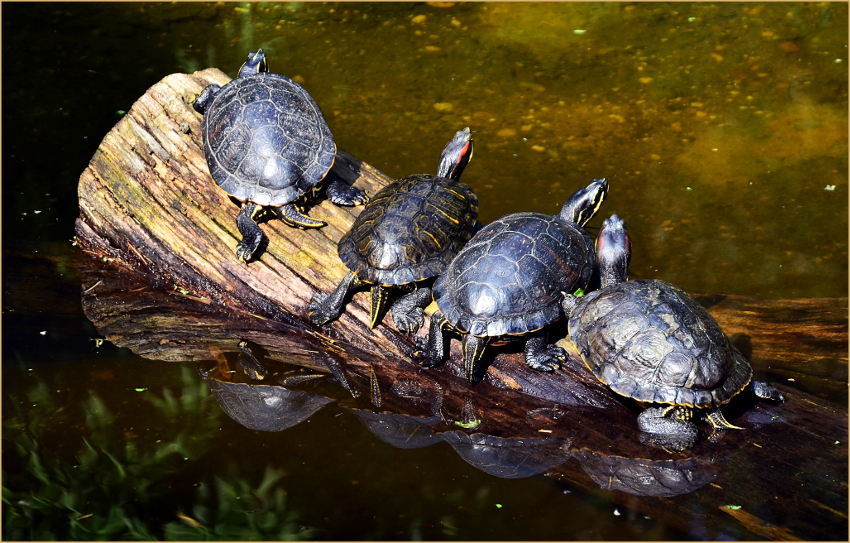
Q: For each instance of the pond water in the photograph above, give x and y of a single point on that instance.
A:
(721, 127)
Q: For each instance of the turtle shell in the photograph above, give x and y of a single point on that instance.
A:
(410, 230)
(650, 341)
(508, 279)
(266, 140)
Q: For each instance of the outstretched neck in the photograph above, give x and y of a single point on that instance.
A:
(584, 203)
(456, 156)
(613, 251)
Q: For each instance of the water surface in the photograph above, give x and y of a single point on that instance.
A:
(722, 128)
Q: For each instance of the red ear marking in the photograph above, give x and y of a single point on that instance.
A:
(463, 153)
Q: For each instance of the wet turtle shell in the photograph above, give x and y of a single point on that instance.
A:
(410, 230)
(648, 340)
(510, 276)
(265, 139)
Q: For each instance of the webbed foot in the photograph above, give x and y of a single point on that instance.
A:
(251, 233)
(408, 311)
(542, 357)
(342, 194)
(326, 306)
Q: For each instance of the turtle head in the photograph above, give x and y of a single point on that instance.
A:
(456, 155)
(584, 203)
(255, 64)
(613, 251)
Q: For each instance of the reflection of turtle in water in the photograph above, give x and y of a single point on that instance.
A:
(267, 145)
(650, 341)
(509, 458)
(398, 430)
(643, 477)
(264, 407)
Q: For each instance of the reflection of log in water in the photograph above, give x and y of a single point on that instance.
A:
(150, 209)
(782, 458)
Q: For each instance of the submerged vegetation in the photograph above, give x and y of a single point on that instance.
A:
(110, 484)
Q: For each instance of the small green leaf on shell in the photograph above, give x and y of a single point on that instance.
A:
(732, 507)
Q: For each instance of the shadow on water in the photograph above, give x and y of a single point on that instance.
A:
(723, 129)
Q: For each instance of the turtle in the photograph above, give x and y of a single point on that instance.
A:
(507, 283)
(268, 145)
(648, 340)
(407, 233)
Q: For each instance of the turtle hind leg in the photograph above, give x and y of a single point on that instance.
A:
(342, 194)
(251, 233)
(541, 356)
(326, 306)
(766, 391)
(290, 215)
(408, 314)
(205, 98)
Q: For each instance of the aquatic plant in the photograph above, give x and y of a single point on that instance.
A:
(130, 483)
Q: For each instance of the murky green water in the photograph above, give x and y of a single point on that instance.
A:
(722, 127)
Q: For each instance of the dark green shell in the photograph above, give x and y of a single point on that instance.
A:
(410, 230)
(266, 140)
(510, 276)
(650, 341)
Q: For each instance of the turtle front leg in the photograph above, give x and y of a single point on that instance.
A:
(327, 306)
(408, 314)
(541, 356)
(290, 215)
(432, 348)
(342, 194)
(251, 234)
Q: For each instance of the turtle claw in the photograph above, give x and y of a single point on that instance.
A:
(542, 357)
(316, 311)
(409, 322)
(245, 250)
(342, 194)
